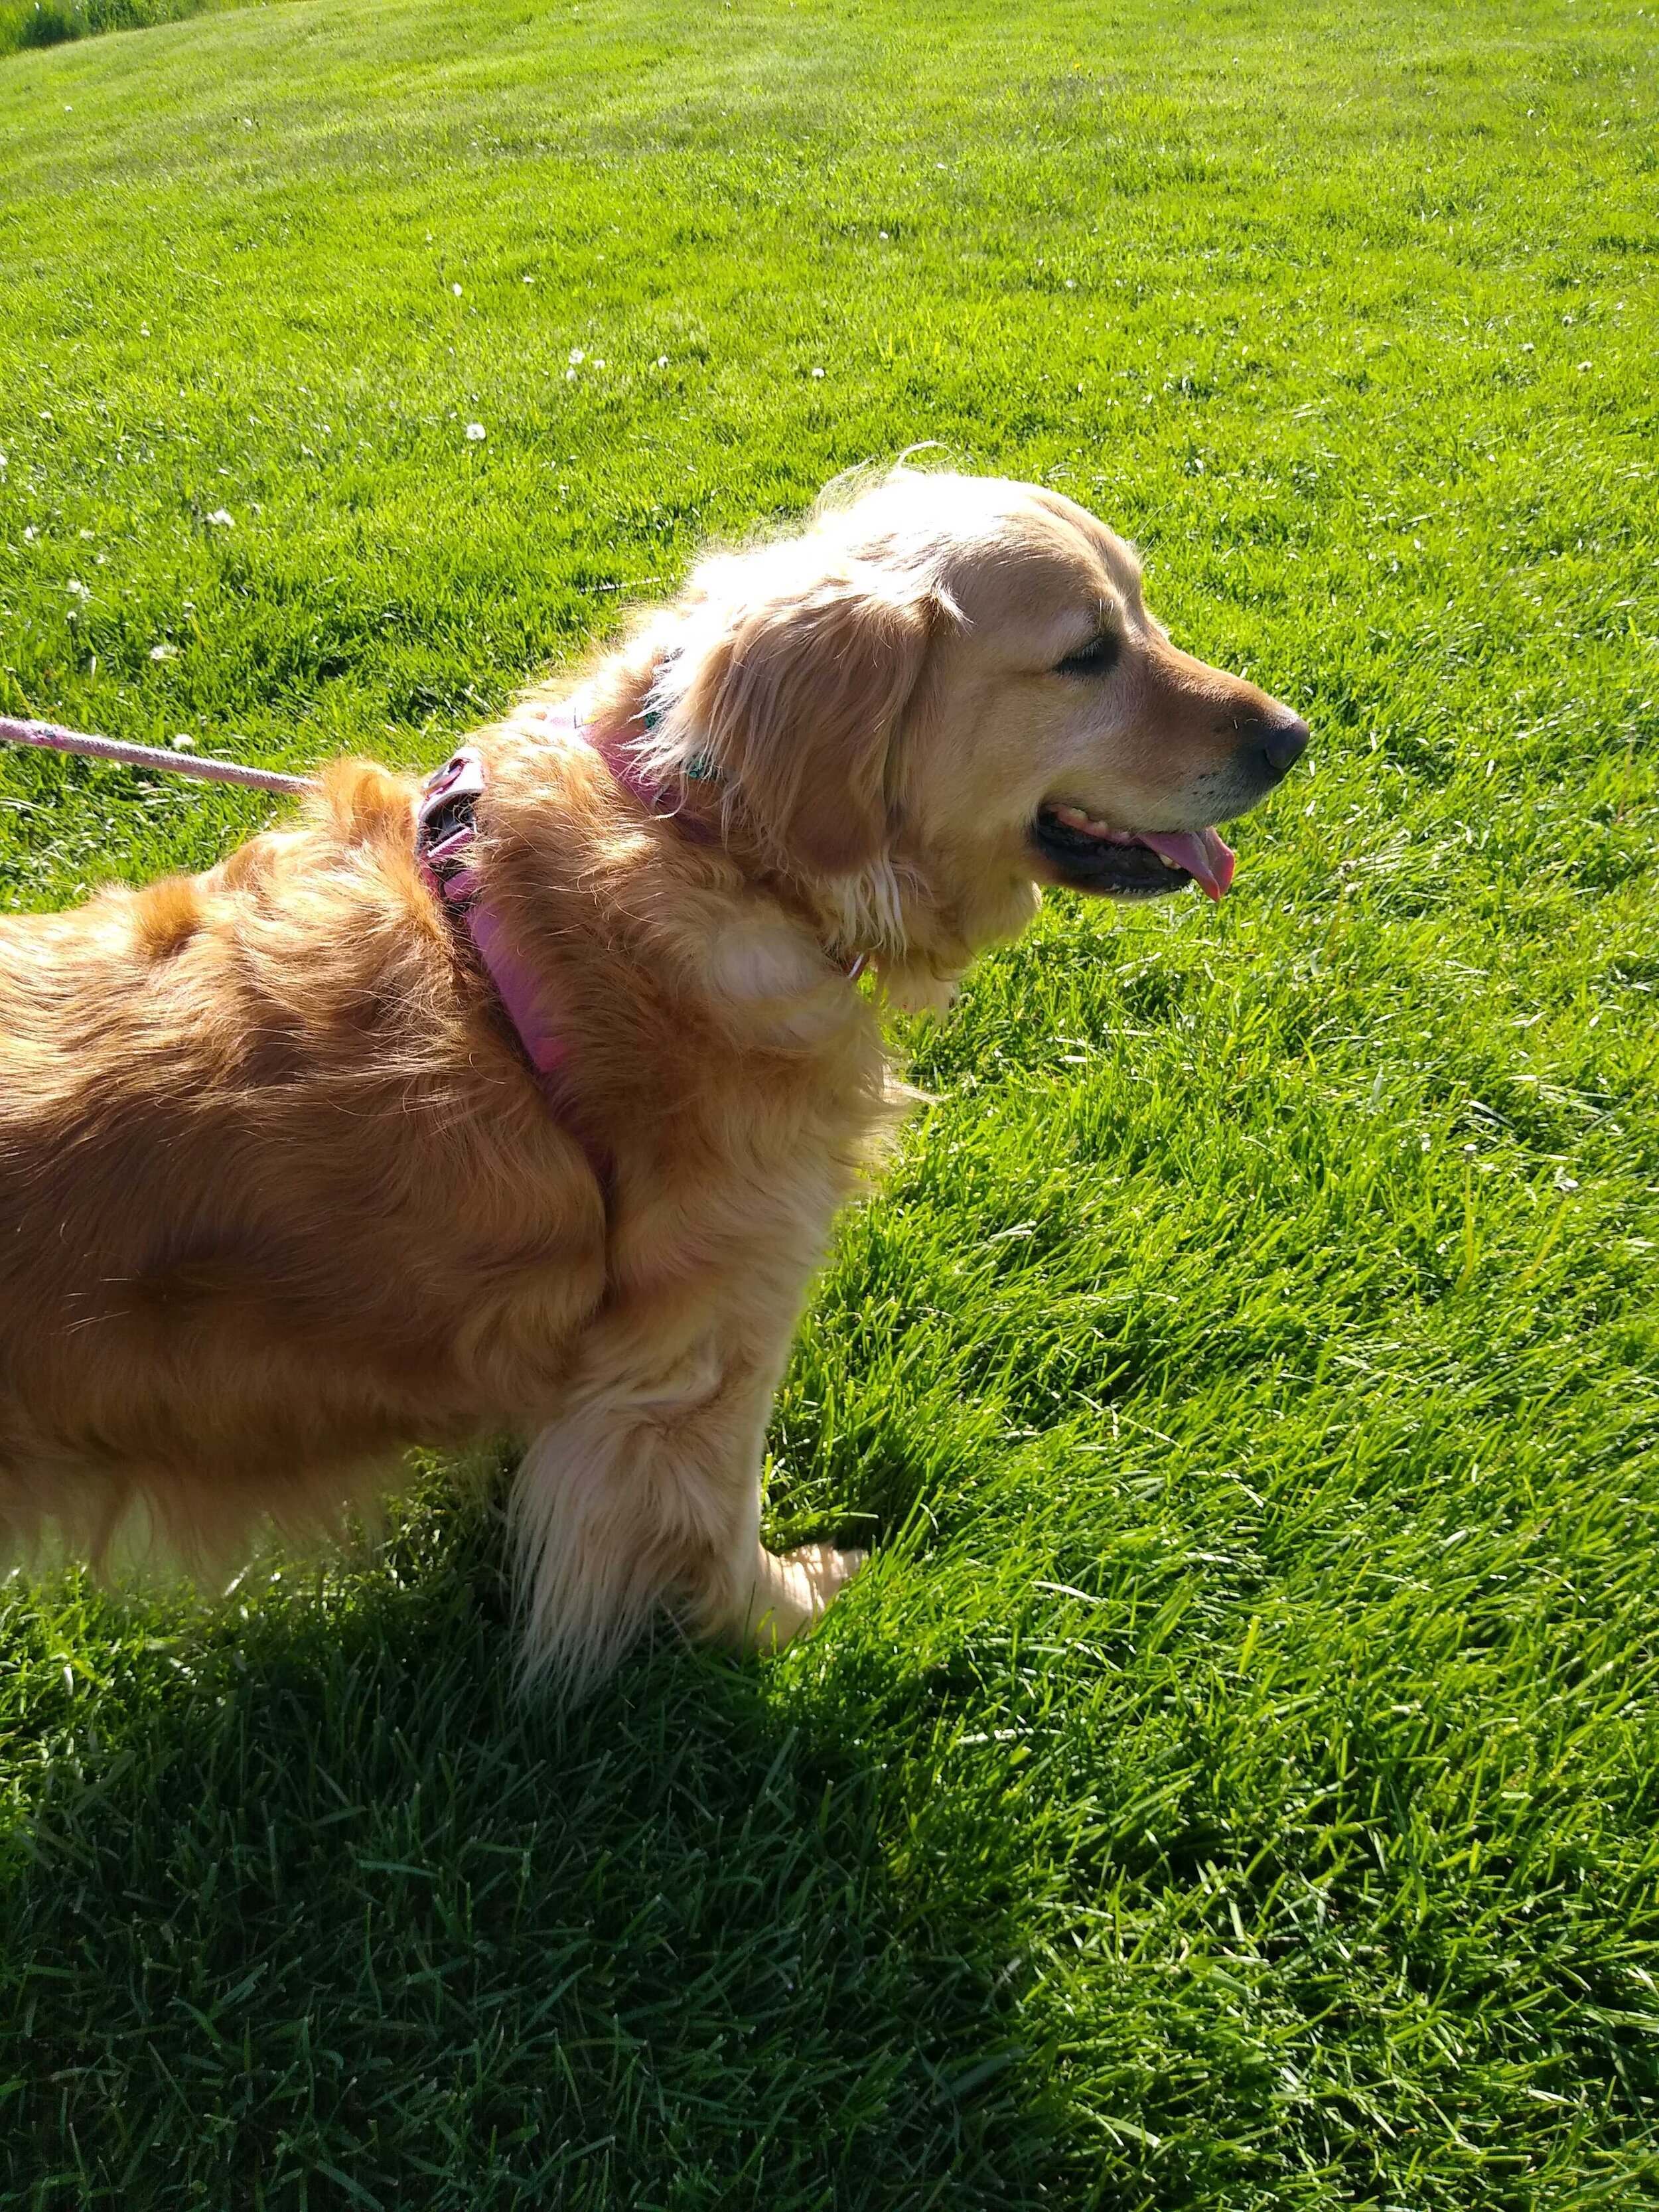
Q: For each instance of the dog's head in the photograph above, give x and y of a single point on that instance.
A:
(952, 690)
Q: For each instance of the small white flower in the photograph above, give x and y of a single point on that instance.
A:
(86, 533)
(1529, 347)
(456, 289)
(143, 330)
(817, 372)
(3, 460)
(577, 357)
(164, 653)
(476, 432)
(223, 517)
(570, 376)
(529, 280)
(77, 589)
(662, 363)
(599, 364)
(881, 234)
(184, 743)
(1583, 365)
(30, 534)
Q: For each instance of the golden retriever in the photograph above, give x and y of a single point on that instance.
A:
(281, 1194)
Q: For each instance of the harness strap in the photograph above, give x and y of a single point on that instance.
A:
(445, 830)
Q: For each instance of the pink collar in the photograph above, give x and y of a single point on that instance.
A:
(445, 832)
(619, 756)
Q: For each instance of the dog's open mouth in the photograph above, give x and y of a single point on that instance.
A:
(1093, 856)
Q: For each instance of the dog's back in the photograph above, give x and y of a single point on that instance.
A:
(221, 1287)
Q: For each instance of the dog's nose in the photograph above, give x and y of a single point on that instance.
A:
(1279, 745)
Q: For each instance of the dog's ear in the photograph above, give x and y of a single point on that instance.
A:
(799, 703)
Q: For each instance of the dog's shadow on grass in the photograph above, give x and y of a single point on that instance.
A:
(308, 1904)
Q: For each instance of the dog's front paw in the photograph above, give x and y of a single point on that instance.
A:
(791, 1593)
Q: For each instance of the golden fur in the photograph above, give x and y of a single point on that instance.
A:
(280, 1196)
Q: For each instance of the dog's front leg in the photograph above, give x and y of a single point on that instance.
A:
(646, 1492)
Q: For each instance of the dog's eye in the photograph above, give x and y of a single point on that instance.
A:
(1096, 659)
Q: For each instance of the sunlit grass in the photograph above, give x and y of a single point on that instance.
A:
(1233, 1785)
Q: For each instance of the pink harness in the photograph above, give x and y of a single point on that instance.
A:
(446, 829)
(445, 832)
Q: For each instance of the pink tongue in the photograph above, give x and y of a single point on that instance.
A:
(1201, 851)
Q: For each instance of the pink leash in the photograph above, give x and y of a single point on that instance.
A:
(57, 740)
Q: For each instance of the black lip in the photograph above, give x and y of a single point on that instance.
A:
(1088, 864)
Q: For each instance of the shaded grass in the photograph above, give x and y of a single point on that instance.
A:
(602, 1961)
(25, 23)
(1232, 1786)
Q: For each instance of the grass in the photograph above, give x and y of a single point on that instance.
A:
(1234, 1784)
(51, 22)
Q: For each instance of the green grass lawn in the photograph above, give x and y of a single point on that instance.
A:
(1236, 1782)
